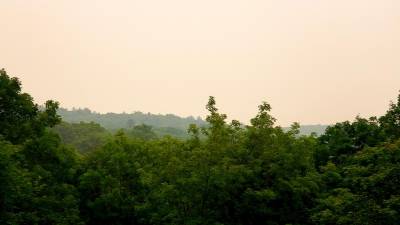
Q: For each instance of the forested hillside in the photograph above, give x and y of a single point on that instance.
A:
(310, 129)
(87, 135)
(224, 173)
(138, 124)
(115, 121)
(161, 124)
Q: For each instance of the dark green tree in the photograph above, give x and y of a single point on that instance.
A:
(390, 122)
(37, 173)
(20, 118)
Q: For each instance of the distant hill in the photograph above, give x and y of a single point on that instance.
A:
(114, 121)
(168, 124)
(308, 129)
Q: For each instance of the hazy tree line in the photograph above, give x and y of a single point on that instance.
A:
(86, 137)
(115, 121)
(225, 173)
(161, 125)
(142, 125)
(88, 133)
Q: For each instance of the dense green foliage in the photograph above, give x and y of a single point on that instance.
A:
(224, 173)
(82, 136)
(86, 137)
(37, 173)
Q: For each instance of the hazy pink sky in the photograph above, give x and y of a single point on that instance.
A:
(315, 61)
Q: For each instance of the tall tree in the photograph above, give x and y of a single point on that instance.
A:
(20, 118)
(391, 120)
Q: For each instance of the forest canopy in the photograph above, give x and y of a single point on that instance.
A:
(223, 173)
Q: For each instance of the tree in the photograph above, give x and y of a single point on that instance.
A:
(36, 172)
(346, 138)
(364, 189)
(83, 136)
(20, 118)
(390, 122)
(143, 132)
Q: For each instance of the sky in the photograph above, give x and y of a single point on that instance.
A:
(314, 61)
